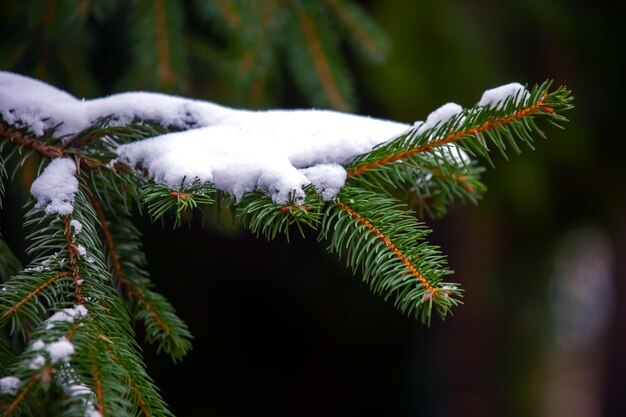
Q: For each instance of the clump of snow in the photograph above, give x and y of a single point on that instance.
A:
(278, 151)
(38, 345)
(67, 315)
(81, 250)
(77, 226)
(259, 150)
(37, 362)
(30, 103)
(9, 385)
(496, 97)
(26, 102)
(55, 188)
(438, 117)
(60, 350)
(327, 179)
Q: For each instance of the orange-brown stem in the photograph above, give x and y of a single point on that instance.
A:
(320, 61)
(34, 293)
(393, 248)
(73, 255)
(118, 274)
(140, 400)
(11, 407)
(181, 195)
(23, 139)
(454, 137)
(287, 208)
(95, 373)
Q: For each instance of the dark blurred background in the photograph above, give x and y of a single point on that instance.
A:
(284, 329)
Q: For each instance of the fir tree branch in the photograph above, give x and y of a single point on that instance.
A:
(469, 129)
(364, 33)
(385, 242)
(16, 135)
(165, 71)
(33, 293)
(73, 258)
(172, 333)
(262, 216)
(319, 59)
(21, 395)
(95, 373)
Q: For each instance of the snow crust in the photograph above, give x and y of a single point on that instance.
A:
(9, 385)
(67, 315)
(61, 350)
(77, 226)
(496, 97)
(278, 151)
(55, 187)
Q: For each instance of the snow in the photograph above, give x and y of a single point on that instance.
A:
(31, 103)
(327, 179)
(67, 315)
(9, 385)
(37, 362)
(438, 117)
(263, 150)
(277, 151)
(496, 97)
(55, 187)
(81, 250)
(77, 226)
(38, 345)
(60, 350)
(68, 380)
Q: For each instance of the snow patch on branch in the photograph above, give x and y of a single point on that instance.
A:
(9, 385)
(239, 151)
(61, 350)
(496, 97)
(56, 187)
(264, 150)
(438, 117)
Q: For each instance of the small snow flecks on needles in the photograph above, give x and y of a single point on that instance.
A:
(56, 186)
(62, 349)
(77, 226)
(73, 388)
(67, 314)
(496, 97)
(9, 385)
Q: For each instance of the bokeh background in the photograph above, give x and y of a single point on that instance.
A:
(284, 329)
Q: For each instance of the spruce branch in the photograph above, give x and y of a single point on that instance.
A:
(87, 285)
(262, 216)
(385, 243)
(160, 199)
(125, 254)
(475, 128)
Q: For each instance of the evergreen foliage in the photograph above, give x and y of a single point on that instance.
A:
(93, 257)
(374, 224)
